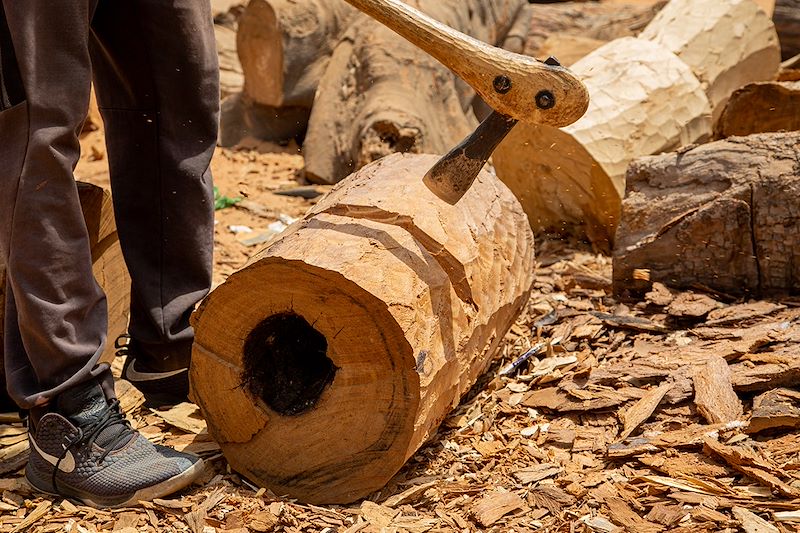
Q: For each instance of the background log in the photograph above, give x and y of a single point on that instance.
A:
(761, 107)
(342, 345)
(107, 264)
(787, 22)
(719, 216)
(726, 43)
(380, 94)
(572, 179)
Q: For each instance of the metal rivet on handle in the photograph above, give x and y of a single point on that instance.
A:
(502, 84)
(545, 100)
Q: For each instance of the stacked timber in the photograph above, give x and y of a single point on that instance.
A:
(344, 343)
(649, 94)
(108, 265)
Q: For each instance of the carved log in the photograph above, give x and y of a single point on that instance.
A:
(381, 94)
(761, 107)
(645, 99)
(727, 43)
(723, 216)
(341, 346)
(572, 179)
(107, 264)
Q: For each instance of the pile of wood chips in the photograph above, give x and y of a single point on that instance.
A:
(669, 414)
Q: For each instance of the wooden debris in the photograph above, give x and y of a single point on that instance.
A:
(622, 513)
(692, 305)
(714, 396)
(752, 523)
(754, 466)
(776, 408)
(494, 506)
(642, 409)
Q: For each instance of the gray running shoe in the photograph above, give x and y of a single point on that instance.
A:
(86, 449)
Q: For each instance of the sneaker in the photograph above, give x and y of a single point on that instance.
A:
(162, 379)
(85, 449)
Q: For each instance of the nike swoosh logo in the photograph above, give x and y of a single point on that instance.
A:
(131, 374)
(67, 464)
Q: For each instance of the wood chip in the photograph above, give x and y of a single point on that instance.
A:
(494, 506)
(752, 523)
(622, 514)
(185, 416)
(641, 410)
(692, 305)
(409, 495)
(537, 473)
(34, 516)
(777, 408)
(714, 396)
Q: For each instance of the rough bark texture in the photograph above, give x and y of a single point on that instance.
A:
(380, 94)
(107, 264)
(726, 43)
(542, 30)
(787, 22)
(761, 107)
(412, 298)
(573, 178)
(723, 215)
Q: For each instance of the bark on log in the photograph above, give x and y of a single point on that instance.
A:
(761, 107)
(787, 22)
(726, 43)
(380, 94)
(572, 179)
(342, 345)
(723, 216)
(107, 264)
(539, 29)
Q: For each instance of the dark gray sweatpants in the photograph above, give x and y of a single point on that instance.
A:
(154, 66)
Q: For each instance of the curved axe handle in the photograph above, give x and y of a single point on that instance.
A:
(515, 85)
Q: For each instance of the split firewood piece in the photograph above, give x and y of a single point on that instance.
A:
(381, 94)
(761, 107)
(787, 22)
(572, 179)
(341, 346)
(726, 43)
(713, 393)
(715, 216)
(775, 409)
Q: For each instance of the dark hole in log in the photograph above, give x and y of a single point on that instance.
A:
(285, 364)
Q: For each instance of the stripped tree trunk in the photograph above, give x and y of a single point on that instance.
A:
(343, 344)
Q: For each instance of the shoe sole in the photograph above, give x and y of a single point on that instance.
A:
(166, 487)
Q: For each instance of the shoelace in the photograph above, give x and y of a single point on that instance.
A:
(110, 416)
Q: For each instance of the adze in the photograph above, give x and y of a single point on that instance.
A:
(516, 87)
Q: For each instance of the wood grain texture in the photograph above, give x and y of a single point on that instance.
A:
(413, 297)
(644, 100)
(761, 107)
(726, 43)
(787, 23)
(479, 64)
(716, 215)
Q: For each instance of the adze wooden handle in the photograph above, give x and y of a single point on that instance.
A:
(514, 85)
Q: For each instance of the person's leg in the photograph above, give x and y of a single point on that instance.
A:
(55, 315)
(156, 77)
(81, 444)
